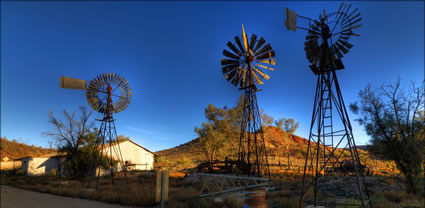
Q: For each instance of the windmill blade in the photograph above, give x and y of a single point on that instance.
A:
(354, 34)
(235, 81)
(267, 47)
(356, 26)
(230, 55)
(333, 54)
(245, 39)
(346, 12)
(338, 52)
(261, 73)
(348, 16)
(268, 61)
(291, 20)
(317, 56)
(228, 68)
(317, 23)
(340, 6)
(230, 75)
(267, 55)
(242, 83)
(344, 36)
(238, 42)
(350, 20)
(256, 77)
(229, 61)
(325, 16)
(337, 13)
(260, 43)
(265, 67)
(346, 44)
(352, 23)
(253, 41)
(314, 29)
(72, 83)
(108, 75)
(233, 48)
(341, 12)
(343, 49)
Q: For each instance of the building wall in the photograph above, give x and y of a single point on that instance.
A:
(39, 166)
(9, 165)
(133, 154)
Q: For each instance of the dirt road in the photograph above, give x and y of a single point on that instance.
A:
(19, 198)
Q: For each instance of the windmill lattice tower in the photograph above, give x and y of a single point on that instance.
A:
(331, 152)
(108, 93)
(242, 69)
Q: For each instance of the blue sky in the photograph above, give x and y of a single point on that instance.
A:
(170, 54)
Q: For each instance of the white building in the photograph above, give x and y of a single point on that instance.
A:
(134, 157)
(42, 165)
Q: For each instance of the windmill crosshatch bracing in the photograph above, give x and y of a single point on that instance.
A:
(330, 128)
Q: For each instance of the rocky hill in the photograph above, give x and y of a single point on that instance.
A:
(14, 150)
(190, 154)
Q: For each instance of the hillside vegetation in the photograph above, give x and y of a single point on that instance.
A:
(14, 149)
(188, 155)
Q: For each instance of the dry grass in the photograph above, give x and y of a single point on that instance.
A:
(141, 189)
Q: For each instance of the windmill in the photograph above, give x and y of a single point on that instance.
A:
(108, 93)
(331, 151)
(241, 67)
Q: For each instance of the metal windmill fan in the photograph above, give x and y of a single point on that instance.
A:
(106, 85)
(107, 93)
(243, 68)
(328, 37)
(246, 60)
(330, 129)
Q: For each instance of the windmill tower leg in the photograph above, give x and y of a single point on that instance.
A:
(252, 157)
(325, 160)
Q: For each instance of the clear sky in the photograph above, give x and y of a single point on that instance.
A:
(170, 54)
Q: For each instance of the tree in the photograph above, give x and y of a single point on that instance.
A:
(266, 119)
(394, 119)
(70, 134)
(76, 138)
(288, 128)
(219, 136)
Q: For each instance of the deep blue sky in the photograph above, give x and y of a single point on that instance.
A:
(170, 54)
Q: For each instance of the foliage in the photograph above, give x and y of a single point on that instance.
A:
(288, 128)
(70, 133)
(185, 162)
(81, 162)
(76, 140)
(219, 136)
(395, 120)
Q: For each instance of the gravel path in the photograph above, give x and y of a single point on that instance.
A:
(18, 198)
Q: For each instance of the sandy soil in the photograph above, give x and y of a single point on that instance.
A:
(18, 198)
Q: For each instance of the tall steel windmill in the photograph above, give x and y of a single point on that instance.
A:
(108, 93)
(242, 67)
(331, 151)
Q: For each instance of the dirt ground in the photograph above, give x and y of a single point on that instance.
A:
(18, 198)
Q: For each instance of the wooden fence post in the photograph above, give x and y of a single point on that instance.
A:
(161, 187)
